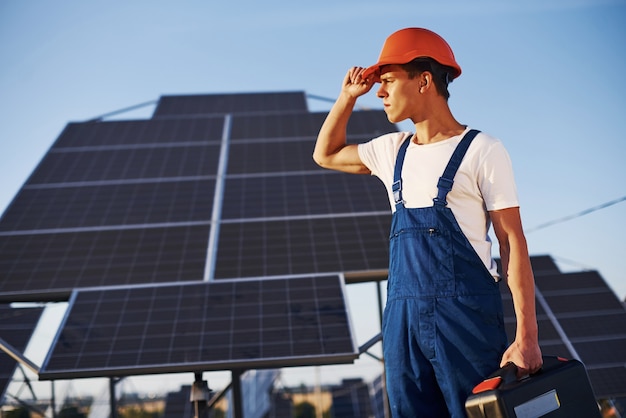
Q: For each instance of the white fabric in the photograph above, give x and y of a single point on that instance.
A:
(484, 181)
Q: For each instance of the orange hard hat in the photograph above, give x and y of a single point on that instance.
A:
(407, 44)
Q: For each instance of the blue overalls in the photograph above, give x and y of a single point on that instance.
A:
(443, 328)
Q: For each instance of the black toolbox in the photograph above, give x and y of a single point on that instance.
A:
(560, 389)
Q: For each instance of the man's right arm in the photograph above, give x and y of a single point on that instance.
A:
(331, 148)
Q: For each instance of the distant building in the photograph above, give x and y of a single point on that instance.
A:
(351, 399)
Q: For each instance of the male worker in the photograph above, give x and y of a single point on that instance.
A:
(443, 326)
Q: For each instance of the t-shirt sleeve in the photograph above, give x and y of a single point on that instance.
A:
(367, 154)
(379, 153)
(497, 181)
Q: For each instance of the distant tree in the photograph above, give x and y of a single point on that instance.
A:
(304, 410)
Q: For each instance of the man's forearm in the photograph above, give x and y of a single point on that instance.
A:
(332, 135)
(521, 282)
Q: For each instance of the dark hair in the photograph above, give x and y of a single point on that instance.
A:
(442, 74)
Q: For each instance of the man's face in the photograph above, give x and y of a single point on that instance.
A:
(400, 94)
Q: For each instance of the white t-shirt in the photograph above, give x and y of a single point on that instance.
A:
(484, 181)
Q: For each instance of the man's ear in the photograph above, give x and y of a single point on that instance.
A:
(425, 81)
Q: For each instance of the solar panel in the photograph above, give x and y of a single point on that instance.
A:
(579, 317)
(16, 328)
(325, 244)
(271, 156)
(202, 327)
(111, 205)
(151, 131)
(285, 125)
(320, 193)
(114, 164)
(126, 202)
(202, 104)
(608, 382)
(48, 266)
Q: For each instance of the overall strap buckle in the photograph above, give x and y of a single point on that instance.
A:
(396, 188)
(444, 186)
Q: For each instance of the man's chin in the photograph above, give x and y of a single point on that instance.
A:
(393, 119)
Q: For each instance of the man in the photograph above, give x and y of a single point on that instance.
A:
(443, 324)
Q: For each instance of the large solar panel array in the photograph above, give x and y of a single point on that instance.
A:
(185, 197)
(112, 203)
(216, 190)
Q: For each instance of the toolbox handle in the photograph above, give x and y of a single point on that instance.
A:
(508, 374)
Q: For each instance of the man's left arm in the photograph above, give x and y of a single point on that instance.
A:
(524, 352)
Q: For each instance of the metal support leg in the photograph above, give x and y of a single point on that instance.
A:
(112, 399)
(200, 396)
(237, 400)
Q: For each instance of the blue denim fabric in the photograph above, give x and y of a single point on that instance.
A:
(443, 328)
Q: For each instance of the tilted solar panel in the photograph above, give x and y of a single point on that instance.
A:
(116, 164)
(48, 266)
(203, 104)
(132, 203)
(364, 123)
(205, 326)
(150, 131)
(320, 193)
(320, 245)
(16, 327)
(578, 317)
(271, 156)
(113, 203)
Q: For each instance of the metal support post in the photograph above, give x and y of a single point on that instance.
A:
(200, 394)
(237, 399)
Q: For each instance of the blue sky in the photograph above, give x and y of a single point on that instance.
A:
(545, 76)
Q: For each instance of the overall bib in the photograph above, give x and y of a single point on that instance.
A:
(443, 328)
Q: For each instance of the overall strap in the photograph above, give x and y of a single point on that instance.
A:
(444, 185)
(396, 187)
